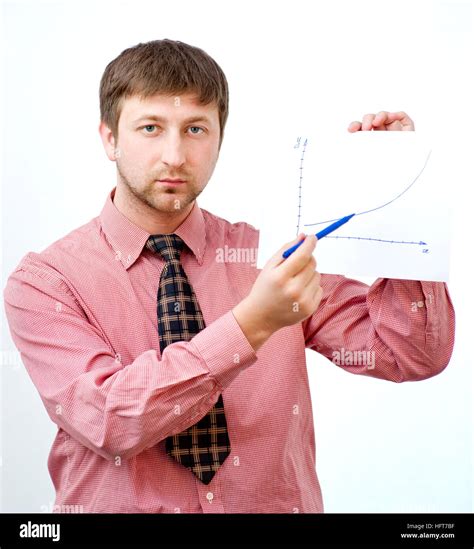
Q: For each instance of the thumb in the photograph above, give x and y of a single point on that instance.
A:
(277, 258)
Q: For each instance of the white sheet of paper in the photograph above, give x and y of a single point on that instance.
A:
(399, 175)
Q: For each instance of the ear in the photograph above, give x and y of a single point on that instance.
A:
(108, 141)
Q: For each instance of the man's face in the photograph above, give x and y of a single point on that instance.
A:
(167, 137)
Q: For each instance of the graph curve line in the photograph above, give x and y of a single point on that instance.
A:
(382, 205)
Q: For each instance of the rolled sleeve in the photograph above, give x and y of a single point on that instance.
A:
(407, 326)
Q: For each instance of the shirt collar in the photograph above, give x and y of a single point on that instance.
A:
(128, 239)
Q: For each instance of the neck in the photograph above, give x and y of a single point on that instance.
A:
(146, 217)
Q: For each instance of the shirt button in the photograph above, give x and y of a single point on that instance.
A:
(210, 496)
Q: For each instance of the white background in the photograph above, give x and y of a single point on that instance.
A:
(381, 447)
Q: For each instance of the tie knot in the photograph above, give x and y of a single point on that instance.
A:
(169, 246)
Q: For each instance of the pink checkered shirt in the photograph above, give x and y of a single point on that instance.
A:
(83, 315)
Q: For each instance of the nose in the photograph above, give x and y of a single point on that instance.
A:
(172, 152)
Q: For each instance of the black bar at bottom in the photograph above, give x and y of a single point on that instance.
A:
(384, 530)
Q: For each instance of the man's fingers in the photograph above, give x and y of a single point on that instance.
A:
(311, 291)
(367, 122)
(383, 121)
(380, 118)
(395, 126)
(318, 294)
(278, 258)
(354, 126)
(306, 275)
(299, 258)
(401, 116)
(398, 115)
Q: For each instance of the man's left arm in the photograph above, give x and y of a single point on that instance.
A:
(400, 330)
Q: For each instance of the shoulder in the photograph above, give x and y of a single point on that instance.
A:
(62, 255)
(224, 231)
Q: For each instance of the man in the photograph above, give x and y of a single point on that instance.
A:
(177, 381)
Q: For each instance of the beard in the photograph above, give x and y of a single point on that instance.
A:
(165, 200)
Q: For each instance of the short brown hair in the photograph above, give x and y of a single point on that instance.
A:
(162, 66)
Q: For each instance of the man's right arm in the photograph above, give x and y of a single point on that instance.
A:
(112, 408)
(120, 410)
(285, 292)
(255, 332)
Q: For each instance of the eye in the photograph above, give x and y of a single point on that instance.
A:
(195, 128)
(148, 126)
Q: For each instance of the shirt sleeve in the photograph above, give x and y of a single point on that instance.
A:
(112, 408)
(398, 330)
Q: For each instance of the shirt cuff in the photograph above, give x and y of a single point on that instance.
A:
(225, 349)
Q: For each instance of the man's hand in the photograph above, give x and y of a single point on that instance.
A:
(285, 292)
(383, 121)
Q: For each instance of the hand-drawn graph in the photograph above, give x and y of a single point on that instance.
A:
(398, 185)
(425, 249)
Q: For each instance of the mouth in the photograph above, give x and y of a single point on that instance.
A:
(171, 181)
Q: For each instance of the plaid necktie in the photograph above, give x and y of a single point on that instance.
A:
(203, 447)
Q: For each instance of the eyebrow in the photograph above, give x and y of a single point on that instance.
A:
(163, 119)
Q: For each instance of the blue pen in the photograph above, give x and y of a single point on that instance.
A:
(320, 235)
